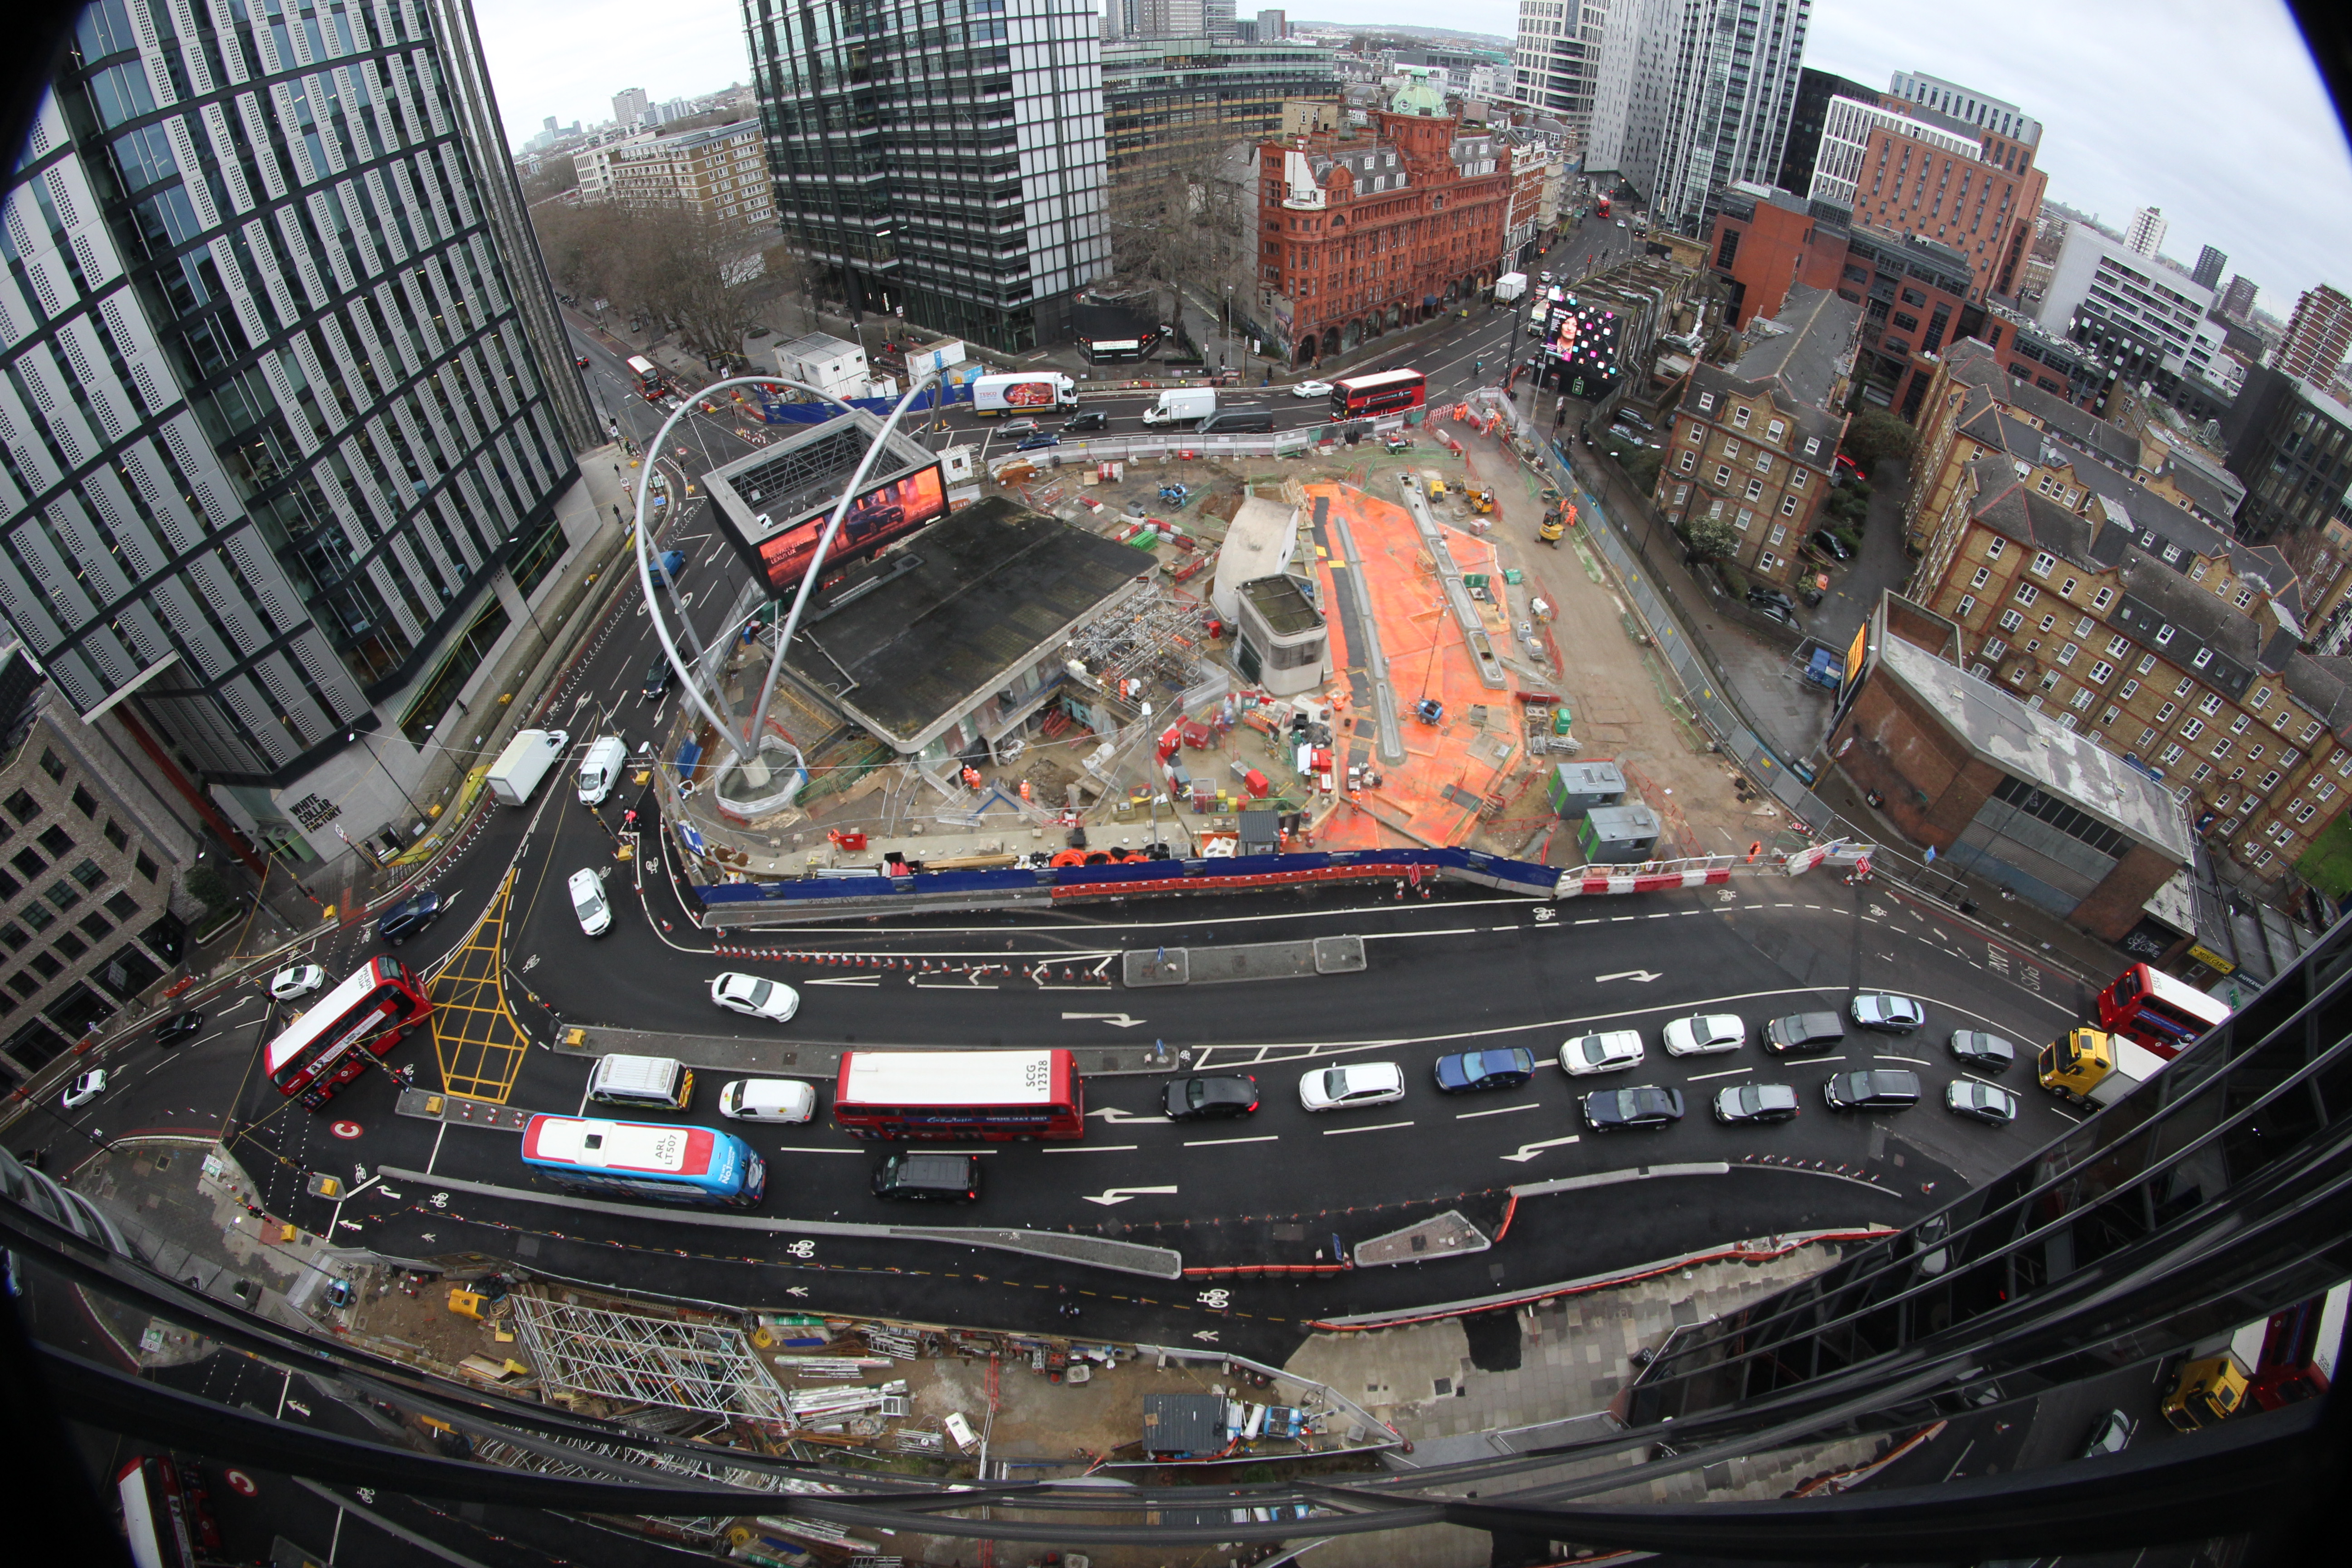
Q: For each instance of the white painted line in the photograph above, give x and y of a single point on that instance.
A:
(1382, 1127)
(1212, 1142)
(1498, 1110)
(810, 1149)
(1727, 1072)
(1089, 1149)
(1916, 1061)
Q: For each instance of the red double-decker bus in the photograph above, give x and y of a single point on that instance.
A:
(1600, 207)
(2156, 1010)
(992, 1095)
(1384, 392)
(330, 1043)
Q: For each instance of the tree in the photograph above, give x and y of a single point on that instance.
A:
(1874, 434)
(1172, 216)
(1709, 538)
(208, 886)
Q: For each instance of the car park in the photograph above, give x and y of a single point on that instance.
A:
(658, 675)
(1871, 1088)
(296, 981)
(1743, 1102)
(1038, 440)
(1211, 1098)
(1804, 1035)
(85, 1088)
(1888, 1013)
(1980, 1101)
(1346, 1088)
(179, 1028)
(755, 997)
(1704, 1035)
(925, 1177)
(1830, 544)
(1466, 1072)
(1760, 597)
(588, 904)
(1311, 389)
(1091, 419)
(1645, 1106)
(784, 1100)
(1986, 1053)
(2112, 1435)
(408, 918)
(1608, 1051)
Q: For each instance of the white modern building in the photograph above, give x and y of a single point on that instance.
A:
(629, 106)
(1965, 104)
(2146, 234)
(1845, 135)
(2147, 316)
(1555, 58)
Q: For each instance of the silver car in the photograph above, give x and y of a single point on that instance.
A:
(1344, 1089)
(1980, 1101)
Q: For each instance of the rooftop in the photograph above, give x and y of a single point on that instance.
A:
(2002, 731)
(913, 640)
(1807, 349)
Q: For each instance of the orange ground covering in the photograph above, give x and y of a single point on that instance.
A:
(1426, 658)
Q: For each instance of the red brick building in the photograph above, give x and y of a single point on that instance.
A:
(1983, 207)
(1361, 233)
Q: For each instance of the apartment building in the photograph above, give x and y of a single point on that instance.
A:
(1555, 61)
(594, 166)
(1755, 446)
(1980, 199)
(2124, 616)
(1535, 173)
(288, 412)
(2318, 336)
(720, 172)
(1816, 91)
(1360, 234)
(2147, 320)
(2291, 442)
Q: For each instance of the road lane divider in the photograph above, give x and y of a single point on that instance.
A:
(1380, 1127)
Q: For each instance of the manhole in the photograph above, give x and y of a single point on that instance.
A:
(163, 1162)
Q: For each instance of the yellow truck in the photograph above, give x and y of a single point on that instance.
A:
(2095, 1068)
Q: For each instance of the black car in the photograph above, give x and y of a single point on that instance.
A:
(179, 1027)
(1830, 544)
(1873, 1089)
(658, 675)
(1092, 420)
(1627, 416)
(407, 918)
(1754, 1102)
(1207, 1098)
(1779, 613)
(1644, 1105)
(1762, 597)
(1986, 1053)
(1804, 1035)
(1464, 1071)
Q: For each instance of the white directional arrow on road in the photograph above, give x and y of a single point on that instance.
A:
(1113, 1113)
(1116, 1020)
(1109, 1196)
(1529, 1151)
(1644, 975)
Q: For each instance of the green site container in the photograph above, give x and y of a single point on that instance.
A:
(1561, 719)
(1473, 579)
(1514, 577)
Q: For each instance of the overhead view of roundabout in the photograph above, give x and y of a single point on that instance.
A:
(1102, 1133)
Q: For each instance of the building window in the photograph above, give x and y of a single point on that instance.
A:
(2066, 654)
(2301, 812)
(122, 905)
(2171, 755)
(2261, 699)
(53, 765)
(55, 840)
(1767, 561)
(1755, 490)
(2049, 680)
(1688, 461)
(2100, 671)
(1739, 417)
(2164, 635)
(2103, 598)
(2146, 738)
(48, 964)
(1780, 533)
(2109, 717)
(2027, 593)
(145, 866)
(2083, 698)
(1722, 474)
(2209, 704)
(23, 806)
(72, 946)
(88, 875)
(2048, 622)
(1966, 607)
(1994, 648)
(84, 802)
(2270, 780)
(2191, 730)
(2242, 724)
(2011, 620)
(1797, 478)
(59, 894)
(97, 926)
(2042, 561)
(1980, 578)
(14, 936)
(2245, 597)
(1706, 402)
(2221, 748)
(2310, 732)
(30, 863)
(2164, 714)
(1993, 549)
(1788, 506)
(1763, 462)
(2204, 657)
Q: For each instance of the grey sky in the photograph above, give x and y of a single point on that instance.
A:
(2211, 112)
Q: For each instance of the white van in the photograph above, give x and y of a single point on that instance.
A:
(643, 1083)
(588, 902)
(768, 1099)
(600, 769)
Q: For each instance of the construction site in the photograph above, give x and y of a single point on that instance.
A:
(1392, 643)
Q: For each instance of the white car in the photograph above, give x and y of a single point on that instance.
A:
(767, 1100)
(86, 1088)
(297, 980)
(770, 999)
(1611, 1050)
(1311, 389)
(588, 902)
(1704, 1035)
(1344, 1089)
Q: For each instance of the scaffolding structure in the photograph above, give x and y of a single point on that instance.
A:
(640, 1359)
(1153, 637)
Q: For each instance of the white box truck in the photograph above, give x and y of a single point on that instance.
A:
(1509, 286)
(524, 762)
(1026, 391)
(1182, 403)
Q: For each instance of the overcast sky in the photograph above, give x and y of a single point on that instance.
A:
(2210, 111)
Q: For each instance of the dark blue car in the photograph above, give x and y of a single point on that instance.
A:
(1041, 439)
(408, 918)
(1465, 1072)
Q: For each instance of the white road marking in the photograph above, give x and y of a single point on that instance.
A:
(1116, 1020)
(811, 1149)
(848, 980)
(1529, 1151)
(1498, 1110)
(1380, 1126)
(1113, 1113)
(1089, 1149)
(1212, 1142)
(1727, 1072)
(1111, 1195)
(1642, 975)
(1916, 1061)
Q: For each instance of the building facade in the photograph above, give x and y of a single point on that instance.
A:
(1815, 90)
(2318, 336)
(2147, 320)
(2115, 611)
(2291, 443)
(2002, 120)
(953, 172)
(1555, 61)
(284, 401)
(593, 166)
(2145, 234)
(1755, 446)
(1845, 144)
(629, 106)
(2211, 265)
(720, 172)
(2238, 300)
(1710, 89)
(1358, 234)
(1165, 96)
(1982, 205)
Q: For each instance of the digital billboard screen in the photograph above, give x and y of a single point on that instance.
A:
(1580, 343)
(886, 512)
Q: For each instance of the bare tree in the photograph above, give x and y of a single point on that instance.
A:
(1171, 218)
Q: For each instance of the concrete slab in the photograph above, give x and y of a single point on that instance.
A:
(1448, 1235)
